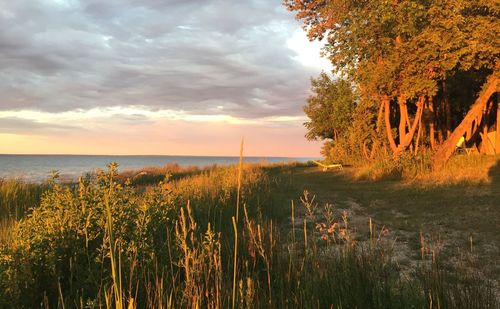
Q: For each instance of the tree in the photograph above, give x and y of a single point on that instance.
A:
(406, 54)
(366, 42)
(330, 108)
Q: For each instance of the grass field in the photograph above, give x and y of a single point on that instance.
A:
(280, 236)
(459, 205)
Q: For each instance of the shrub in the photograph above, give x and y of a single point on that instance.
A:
(66, 246)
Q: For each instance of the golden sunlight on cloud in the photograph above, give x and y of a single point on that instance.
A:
(73, 117)
(141, 131)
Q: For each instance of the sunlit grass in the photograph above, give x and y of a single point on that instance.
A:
(178, 243)
(461, 168)
(17, 197)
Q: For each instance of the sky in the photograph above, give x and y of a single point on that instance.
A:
(164, 77)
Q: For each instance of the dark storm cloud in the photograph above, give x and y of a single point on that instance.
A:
(194, 55)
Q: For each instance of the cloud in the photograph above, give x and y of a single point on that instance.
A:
(201, 57)
(31, 127)
(175, 137)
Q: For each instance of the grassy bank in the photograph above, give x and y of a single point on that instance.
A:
(462, 168)
(189, 241)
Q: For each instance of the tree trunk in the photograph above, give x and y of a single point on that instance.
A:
(407, 138)
(487, 145)
(448, 117)
(403, 119)
(419, 132)
(440, 137)
(447, 111)
(387, 114)
(471, 119)
(380, 116)
(497, 137)
(431, 124)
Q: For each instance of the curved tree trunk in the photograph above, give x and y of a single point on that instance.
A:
(419, 132)
(403, 119)
(380, 116)
(408, 137)
(497, 137)
(469, 123)
(387, 120)
(432, 123)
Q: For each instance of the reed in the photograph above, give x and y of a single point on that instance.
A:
(235, 261)
(17, 197)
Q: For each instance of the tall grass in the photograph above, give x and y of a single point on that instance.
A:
(105, 243)
(154, 174)
(459, 169)
(18, 196)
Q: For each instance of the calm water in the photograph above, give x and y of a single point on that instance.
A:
(37, 167)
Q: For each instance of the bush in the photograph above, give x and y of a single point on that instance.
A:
(65, 246)
(405, 166)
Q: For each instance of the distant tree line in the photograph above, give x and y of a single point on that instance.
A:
(408, 75)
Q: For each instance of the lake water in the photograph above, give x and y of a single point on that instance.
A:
(37, 168)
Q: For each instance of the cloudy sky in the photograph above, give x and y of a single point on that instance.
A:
(154, 77)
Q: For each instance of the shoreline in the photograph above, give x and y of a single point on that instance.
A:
(38, 168)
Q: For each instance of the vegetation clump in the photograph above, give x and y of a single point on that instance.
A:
(106, 243)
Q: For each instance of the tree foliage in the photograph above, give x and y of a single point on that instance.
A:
(414, 57)
(330, 108)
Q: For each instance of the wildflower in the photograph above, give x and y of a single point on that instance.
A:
(332, 228)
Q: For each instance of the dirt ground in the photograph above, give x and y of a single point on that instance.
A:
(459, 221)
